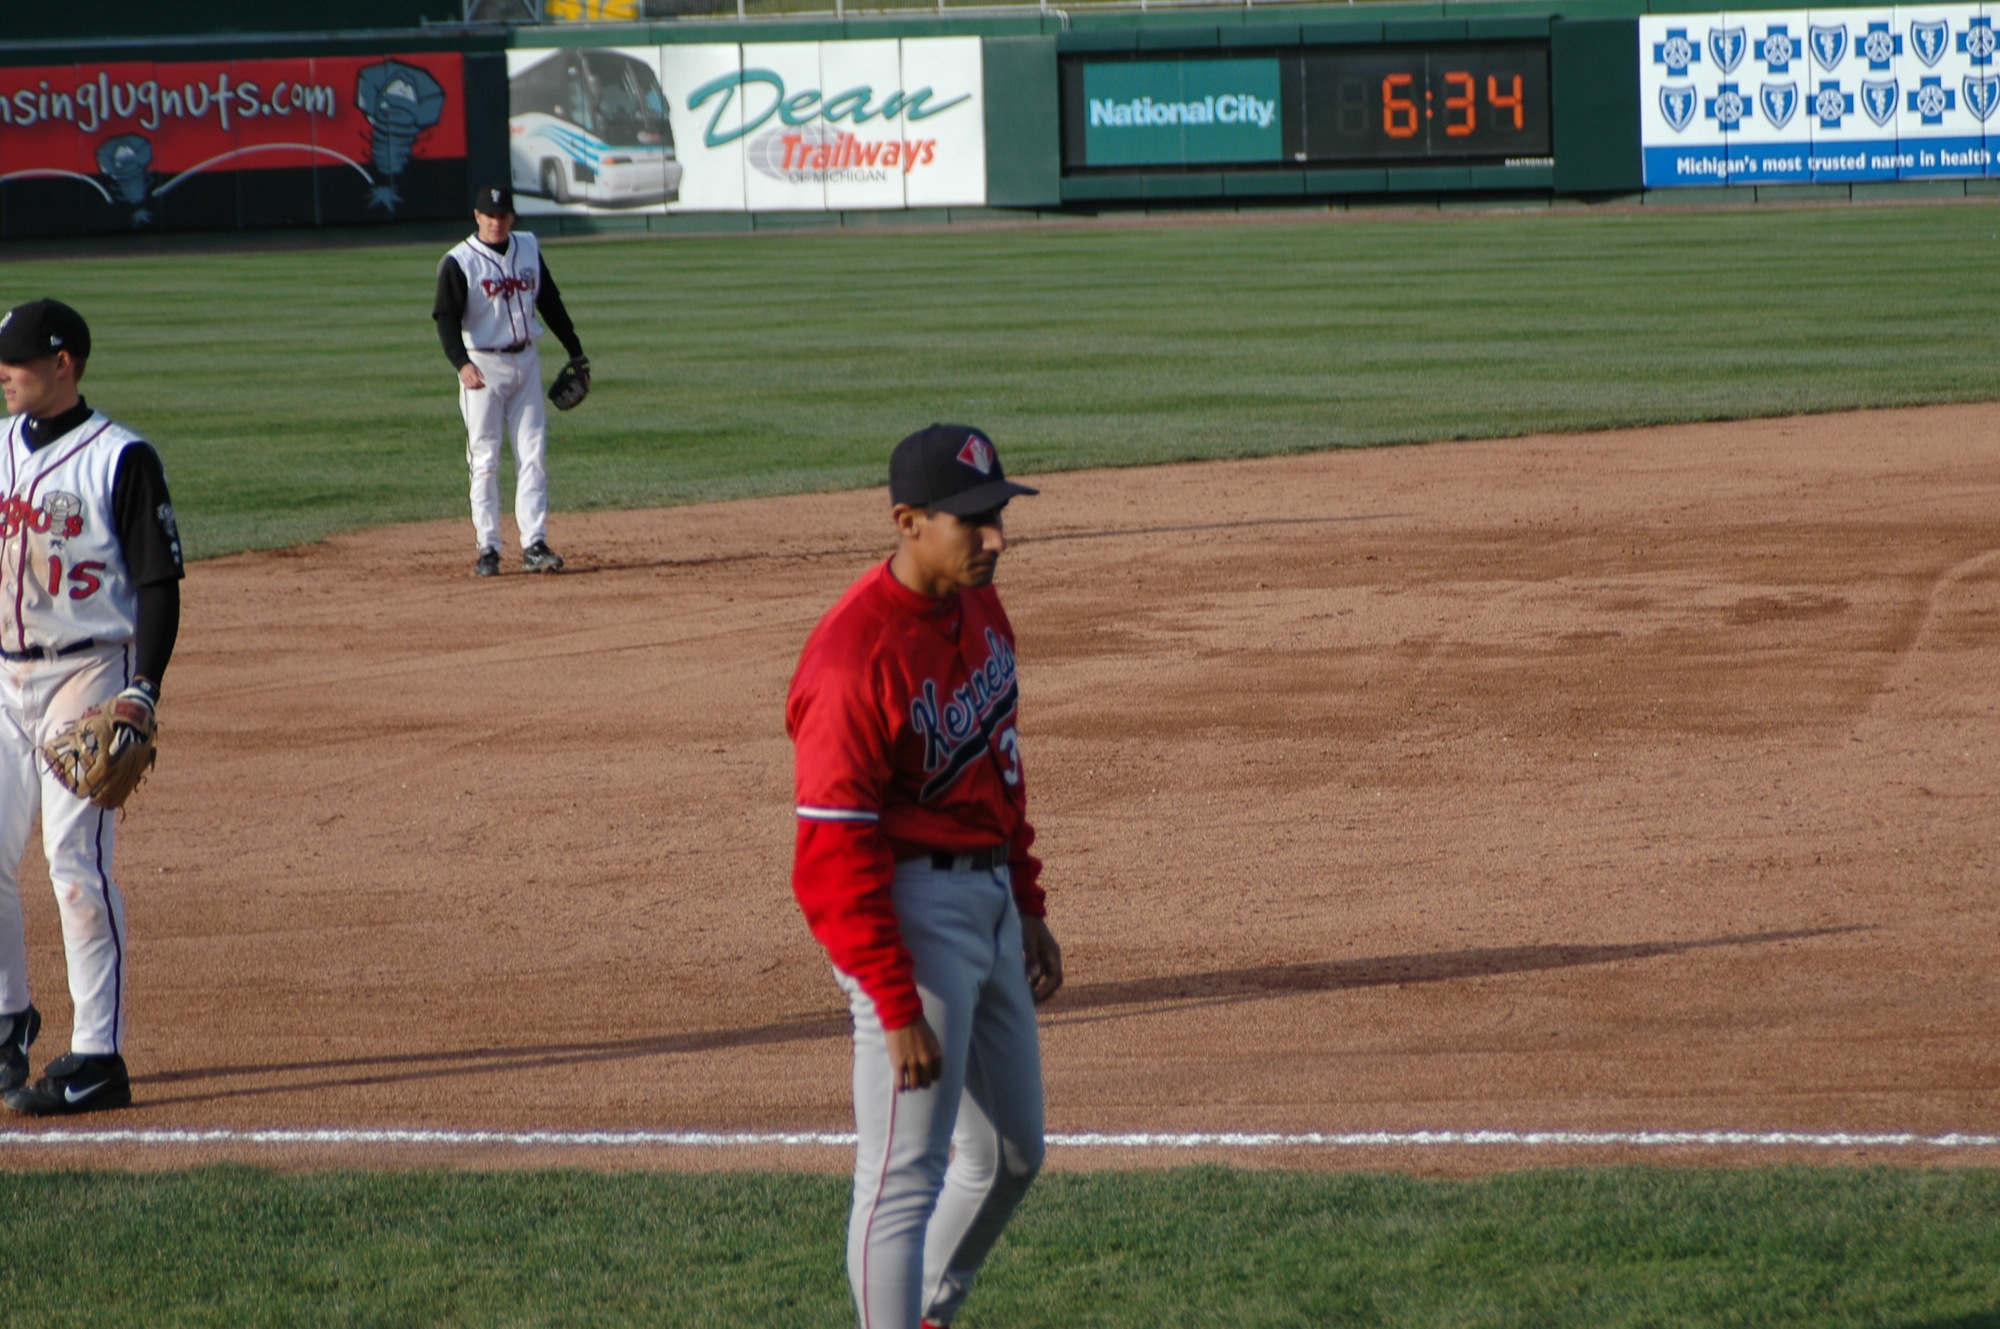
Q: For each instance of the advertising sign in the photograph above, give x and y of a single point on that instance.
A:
(1852, 109)
(763, 127)
(118, 146)
(713, 177)
(1484, 103)
(591, 126)
(1181, 112)
(1902, 93)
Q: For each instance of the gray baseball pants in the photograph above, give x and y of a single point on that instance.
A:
(938, 1171)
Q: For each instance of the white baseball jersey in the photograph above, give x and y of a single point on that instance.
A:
(62, 568)
(500, 291)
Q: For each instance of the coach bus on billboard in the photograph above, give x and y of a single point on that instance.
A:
(591, 126)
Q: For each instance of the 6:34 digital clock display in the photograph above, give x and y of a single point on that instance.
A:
(1463, 102)
(1399, 103)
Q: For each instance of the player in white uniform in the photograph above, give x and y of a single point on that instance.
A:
(90, 570)
(489, 289)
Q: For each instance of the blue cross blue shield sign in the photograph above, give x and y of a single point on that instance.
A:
(1932, 40)
(1779, 101)
(1726, 47)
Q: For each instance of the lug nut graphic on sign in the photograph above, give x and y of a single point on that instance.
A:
(400, 102)
(126, 161)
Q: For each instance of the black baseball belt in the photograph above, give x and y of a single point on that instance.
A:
(979, 860)
(48, 652)
(515, 349)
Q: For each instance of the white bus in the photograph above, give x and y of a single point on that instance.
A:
(590, 126)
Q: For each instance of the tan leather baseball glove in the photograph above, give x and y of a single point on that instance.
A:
(106, 751)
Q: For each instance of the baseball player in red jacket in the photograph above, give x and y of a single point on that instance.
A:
(913, 867)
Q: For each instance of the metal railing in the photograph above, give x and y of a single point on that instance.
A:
(504, 11)
(568, 13)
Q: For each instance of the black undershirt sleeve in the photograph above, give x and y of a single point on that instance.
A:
(151, 542)
(549, 304)
(449, 311)
(159, 628)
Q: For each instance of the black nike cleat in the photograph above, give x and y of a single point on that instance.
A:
(538, 557)
(75, 1082)
(19, 1030)
(488, 564)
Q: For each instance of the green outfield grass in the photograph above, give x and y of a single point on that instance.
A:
(1202, 1247)
(299, 393)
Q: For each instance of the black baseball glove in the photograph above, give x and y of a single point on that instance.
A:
(572, 383)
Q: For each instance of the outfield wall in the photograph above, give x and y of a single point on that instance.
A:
(220, 134)
(747, 124)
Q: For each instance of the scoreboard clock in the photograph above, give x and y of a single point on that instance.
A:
(1475, 103)
(1460, 103)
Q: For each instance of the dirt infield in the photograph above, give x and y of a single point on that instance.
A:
(1628, 781)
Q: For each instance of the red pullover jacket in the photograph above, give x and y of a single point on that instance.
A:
(902, 718)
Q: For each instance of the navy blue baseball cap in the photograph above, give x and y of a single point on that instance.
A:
(494, 201)
(950, 468)
(42, 327)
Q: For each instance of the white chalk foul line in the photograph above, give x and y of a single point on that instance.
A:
(1534, 1139)
(1072, 1140)
(452, 1139)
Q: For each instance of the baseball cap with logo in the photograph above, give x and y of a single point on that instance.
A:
(494, 201)
(951, 468)
(42, 327)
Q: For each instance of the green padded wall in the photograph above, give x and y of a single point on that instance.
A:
(1594, 66)
(1023, 123)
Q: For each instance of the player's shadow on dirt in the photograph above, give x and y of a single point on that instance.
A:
(584, 567)
(1265, 982)
(1078, 1003)
(399, 1067)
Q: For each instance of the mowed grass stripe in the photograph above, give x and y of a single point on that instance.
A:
(295, 394)
(1196, 1247)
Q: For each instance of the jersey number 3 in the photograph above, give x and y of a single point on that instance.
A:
(1009, 744)
(83, 579)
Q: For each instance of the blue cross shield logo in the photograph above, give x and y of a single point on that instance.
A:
(1829, 44)
(1726, 47)
(1831, 105)
(1982, 94)
(1930, 99)
(1978, 41)
(1777, 49)
(1677, 105)
(1727, 107)
(1676, 52)
(1932, 40)
(1779, 101)
(1881, 47)
(1879, 100)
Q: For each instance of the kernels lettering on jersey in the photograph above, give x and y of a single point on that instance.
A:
(945, 728)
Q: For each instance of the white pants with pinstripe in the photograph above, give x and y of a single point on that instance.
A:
(938, 1171)
(510, 403)
(36, 700)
